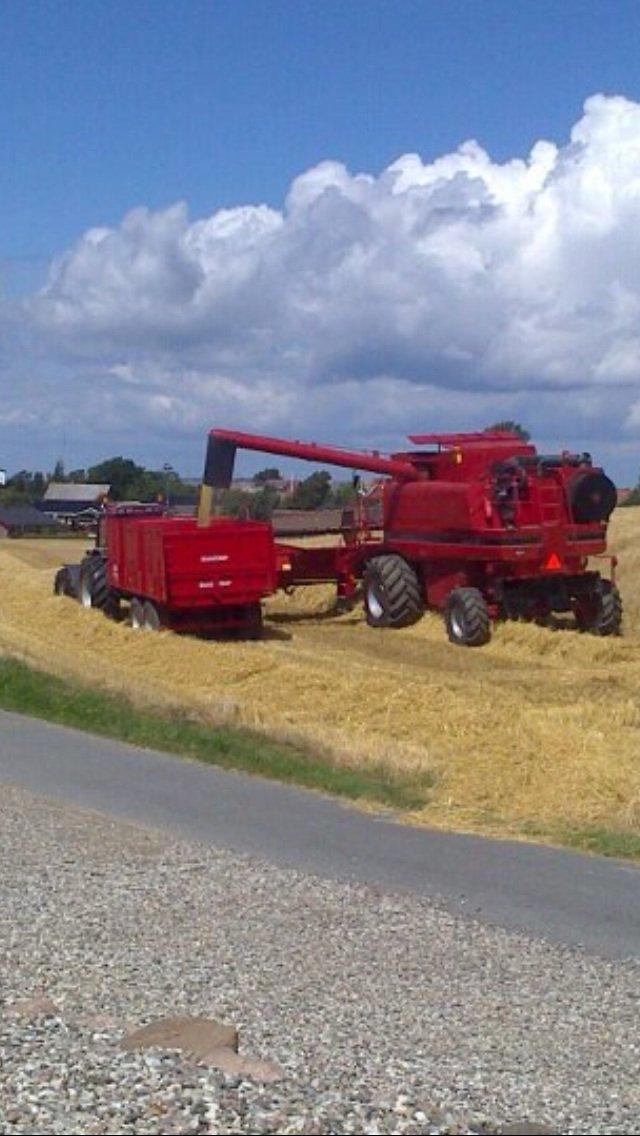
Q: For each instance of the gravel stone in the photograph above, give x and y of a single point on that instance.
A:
(386, 1014)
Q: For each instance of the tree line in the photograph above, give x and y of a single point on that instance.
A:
(132, 482)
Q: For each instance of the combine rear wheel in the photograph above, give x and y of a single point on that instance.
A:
(392, 594)
(467, 618)
(600, 613)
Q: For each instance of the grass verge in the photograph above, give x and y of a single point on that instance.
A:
(619, 843)
(26, 690)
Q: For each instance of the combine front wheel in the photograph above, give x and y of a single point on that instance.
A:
(392, 596)
(467, 618)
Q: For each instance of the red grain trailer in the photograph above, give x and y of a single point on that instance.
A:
(177, 574)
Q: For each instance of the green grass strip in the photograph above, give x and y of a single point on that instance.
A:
(26, 690)
(601, 840)
(621, 844)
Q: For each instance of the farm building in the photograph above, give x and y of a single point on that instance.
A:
(19, 520)
(73, 505)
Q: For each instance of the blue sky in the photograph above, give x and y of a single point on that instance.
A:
(111, 106)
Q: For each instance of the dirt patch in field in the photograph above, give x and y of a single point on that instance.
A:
(540, 727)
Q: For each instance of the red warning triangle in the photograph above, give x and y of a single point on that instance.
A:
(553, 562)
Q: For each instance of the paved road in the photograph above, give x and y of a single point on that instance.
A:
(561, 896)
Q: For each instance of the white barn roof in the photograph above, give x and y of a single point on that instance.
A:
(67, 491)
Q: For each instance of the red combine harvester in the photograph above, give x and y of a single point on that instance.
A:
(175, 573)
(478, 526)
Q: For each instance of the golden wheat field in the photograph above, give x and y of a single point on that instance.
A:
(540, 728)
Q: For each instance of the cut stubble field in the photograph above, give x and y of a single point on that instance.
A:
(536, 734)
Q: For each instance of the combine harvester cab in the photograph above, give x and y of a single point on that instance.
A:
(477, 526)
(175, 573)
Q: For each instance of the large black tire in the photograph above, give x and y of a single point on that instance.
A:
(253, 626)
(467, 618)
(392, 593)
(136, 614)
(62, 583)
(601, 613)
(94, 590)
(151, 617)
(85, 591)
(100, 587)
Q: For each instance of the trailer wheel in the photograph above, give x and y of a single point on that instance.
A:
(467, 618)
(136, 614)
(151, 619)
(392, 594)
(601, 613)
(253, 625)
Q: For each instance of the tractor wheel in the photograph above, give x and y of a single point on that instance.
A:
(467, 618)
(601, 613)
(85, 591)
(136, 614)
(94, 591)
(100, 587)
(151, 619)
(61, 583)
(392, 594)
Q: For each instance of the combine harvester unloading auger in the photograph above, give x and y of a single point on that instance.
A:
(478, 526)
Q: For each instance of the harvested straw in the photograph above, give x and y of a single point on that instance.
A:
(539, 727)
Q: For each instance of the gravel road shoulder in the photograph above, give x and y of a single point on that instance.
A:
(387, 1014)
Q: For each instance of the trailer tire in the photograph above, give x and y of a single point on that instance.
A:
(467, 618)
(151, 618)
(392, 593)
(602, 613)
(136, 614)
(253, 625)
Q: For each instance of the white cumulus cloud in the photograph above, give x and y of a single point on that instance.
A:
(443, 293)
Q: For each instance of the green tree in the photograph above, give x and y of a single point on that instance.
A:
(264, 475)
(345, 493)
(23, 488)
(38, 486)
(264, 502)
(123, 475)
(13, 494)
(234, 502)
(313, 492)
(513, 427)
